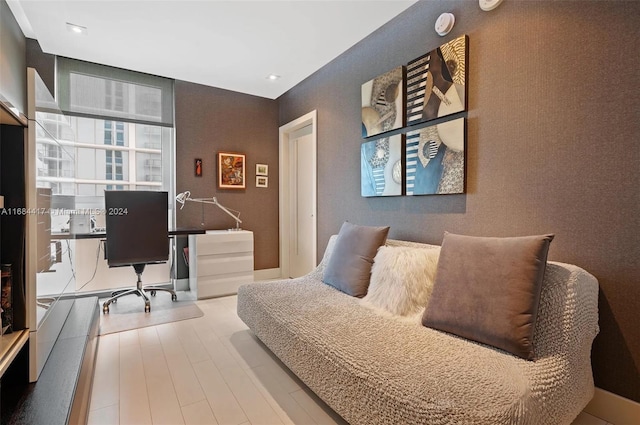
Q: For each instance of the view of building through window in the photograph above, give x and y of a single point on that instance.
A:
(90, 155)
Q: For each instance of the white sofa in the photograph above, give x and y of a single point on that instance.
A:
(373, 368)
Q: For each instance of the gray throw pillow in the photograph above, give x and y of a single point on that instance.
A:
(488, 290)
(349, 267)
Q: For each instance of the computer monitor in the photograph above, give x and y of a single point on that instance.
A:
(137, 227)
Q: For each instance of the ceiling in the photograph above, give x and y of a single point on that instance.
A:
(233, 45)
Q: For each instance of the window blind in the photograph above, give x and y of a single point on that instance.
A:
(98, 91)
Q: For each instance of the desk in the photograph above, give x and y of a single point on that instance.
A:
(83, 254)
(103, 235)
(219, 262)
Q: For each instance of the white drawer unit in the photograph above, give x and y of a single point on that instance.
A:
(219, 262)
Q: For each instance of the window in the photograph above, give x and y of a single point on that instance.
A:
(123, 136)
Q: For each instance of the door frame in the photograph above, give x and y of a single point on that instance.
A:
(285, 190)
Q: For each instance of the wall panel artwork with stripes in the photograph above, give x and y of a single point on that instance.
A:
(436, 82)
(381, 166)
(383, 103)
(435, 159)
(429, 160)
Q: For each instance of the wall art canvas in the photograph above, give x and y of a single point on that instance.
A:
(381, 167)
(383, 103)
(435, 159)
(231, 170)
(436, 82)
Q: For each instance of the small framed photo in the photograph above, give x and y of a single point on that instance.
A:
(262, 181)
(231, 170)
(198, 167)
(262, 170)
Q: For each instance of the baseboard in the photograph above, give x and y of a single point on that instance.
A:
(266, 274)
(613, 408)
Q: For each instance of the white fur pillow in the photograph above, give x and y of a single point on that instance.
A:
(402, 279)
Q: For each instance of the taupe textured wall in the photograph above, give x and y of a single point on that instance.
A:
(209, 120)
(552, 145)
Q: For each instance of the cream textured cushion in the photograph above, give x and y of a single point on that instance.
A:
(402, 279)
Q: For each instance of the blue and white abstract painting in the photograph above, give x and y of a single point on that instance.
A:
(435, 159)
(381, 167)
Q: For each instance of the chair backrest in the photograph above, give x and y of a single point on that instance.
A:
(137, 227)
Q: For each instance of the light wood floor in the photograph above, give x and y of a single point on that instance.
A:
(210, 370)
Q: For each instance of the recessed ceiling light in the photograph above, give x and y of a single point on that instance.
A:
(273, 77)
(76, 29)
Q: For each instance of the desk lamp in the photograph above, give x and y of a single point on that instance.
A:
(186, 196)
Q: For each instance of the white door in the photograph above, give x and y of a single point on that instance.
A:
(302, 224)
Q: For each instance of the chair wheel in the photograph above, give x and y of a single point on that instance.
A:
(174, 297)
(105, 309)
(153, 293)
(147, 308)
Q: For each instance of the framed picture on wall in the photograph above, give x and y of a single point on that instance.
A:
(231, 170)
(435, 159)
(436, 82)
(383, 103)
(262, 181)
(262, 170)
(381, 166)
(198, 167)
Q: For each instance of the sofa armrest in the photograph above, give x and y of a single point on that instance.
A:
(568, 312)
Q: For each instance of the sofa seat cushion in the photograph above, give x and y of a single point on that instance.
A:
(401, 371)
